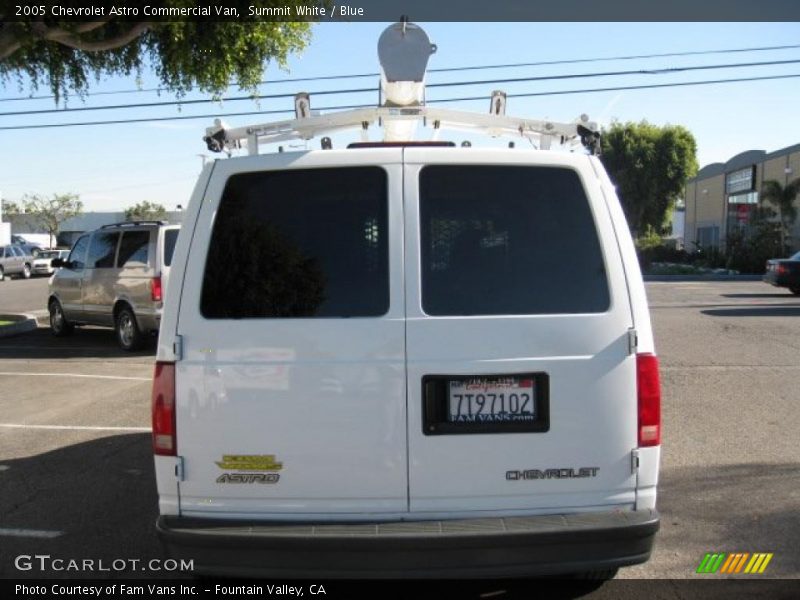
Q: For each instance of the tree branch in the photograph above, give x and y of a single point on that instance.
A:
(92, 25)
(8, 41)
(73, 40)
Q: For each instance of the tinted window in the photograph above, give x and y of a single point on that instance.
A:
(78, 253)
(133, 248)
(508, 240)
(102, 248)
(18, 251)
(304, 243)
(170, 237)
(3, 252)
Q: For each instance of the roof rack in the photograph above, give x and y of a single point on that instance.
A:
(403, 50)
(220, 138)
(133, 224)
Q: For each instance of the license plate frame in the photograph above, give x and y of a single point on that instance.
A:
(436, 399)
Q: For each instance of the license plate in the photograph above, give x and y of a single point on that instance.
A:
(491, 400)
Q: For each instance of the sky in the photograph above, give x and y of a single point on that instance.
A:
(115, 166)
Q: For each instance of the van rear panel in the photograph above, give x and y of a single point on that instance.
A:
(418, 332)
(513, 275)
(291, 390)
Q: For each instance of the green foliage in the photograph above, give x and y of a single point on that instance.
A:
(782, 198)
(748, 249)
(654, 250)
(188, 54)
(650, 166)
(146, 211)
(50, 212)
(10, 209)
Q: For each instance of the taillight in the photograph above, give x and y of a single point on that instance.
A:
(782, 270)
(155, 289)
(648, 388)
(163, 406)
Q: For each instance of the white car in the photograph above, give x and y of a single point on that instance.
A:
(42, 264)
(397, 360)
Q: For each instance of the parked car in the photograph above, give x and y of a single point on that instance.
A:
(114, 277)
(784, 272)
(43, 262)
(27, 247)
(14, 261)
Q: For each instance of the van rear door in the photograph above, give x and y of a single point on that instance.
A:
(521, 377)
(291, 391)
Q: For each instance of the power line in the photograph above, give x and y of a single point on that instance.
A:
(452, 69)
(661, 71)
(466, 99)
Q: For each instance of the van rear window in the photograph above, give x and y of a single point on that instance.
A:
(170, 238)
(133, 248)
(299, 243)
(503, 240)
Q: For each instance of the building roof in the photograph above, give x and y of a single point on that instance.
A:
(741, 160)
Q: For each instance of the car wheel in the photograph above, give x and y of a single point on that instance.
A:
(59, 326)
(26, 271)
(2, 274)
(795, 290)
(129, 336)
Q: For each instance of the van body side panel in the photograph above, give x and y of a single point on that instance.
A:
(583, 458)
(291, 414)
(636, 289)
(167, 482)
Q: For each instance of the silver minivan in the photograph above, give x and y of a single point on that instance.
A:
(114, 277)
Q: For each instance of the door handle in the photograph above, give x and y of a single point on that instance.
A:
(429, 404)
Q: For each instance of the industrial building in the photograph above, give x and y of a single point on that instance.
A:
(723, 196)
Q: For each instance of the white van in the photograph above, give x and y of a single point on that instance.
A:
(369, 351)
(406, 361)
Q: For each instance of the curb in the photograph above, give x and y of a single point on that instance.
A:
(709, 277)
(22, 324)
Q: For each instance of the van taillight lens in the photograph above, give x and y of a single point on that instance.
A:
(164, 440)
(155, 289)
(648, 387)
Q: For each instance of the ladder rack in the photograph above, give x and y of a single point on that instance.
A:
(220, 138)
(403, 51)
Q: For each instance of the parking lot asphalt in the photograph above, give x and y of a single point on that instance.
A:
(77, 477)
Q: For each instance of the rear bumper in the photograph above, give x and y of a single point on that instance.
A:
(774, 279)
(786, 280)
(475, 548)
(148, 321)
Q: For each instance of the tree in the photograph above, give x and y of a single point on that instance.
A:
(146, 211)
(50, 212)
(9, 209)
(184, 54)
(650, 166)
(782, 198)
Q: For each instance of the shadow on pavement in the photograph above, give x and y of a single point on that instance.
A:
(101, 494)
(755, 311)
(86, 342)
(786, 295)
(732, 508)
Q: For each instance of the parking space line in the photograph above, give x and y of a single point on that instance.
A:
(34, 533)
(81, 375)
(30, 347)
(73, 427)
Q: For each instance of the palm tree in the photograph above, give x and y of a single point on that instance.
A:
(782, 198)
